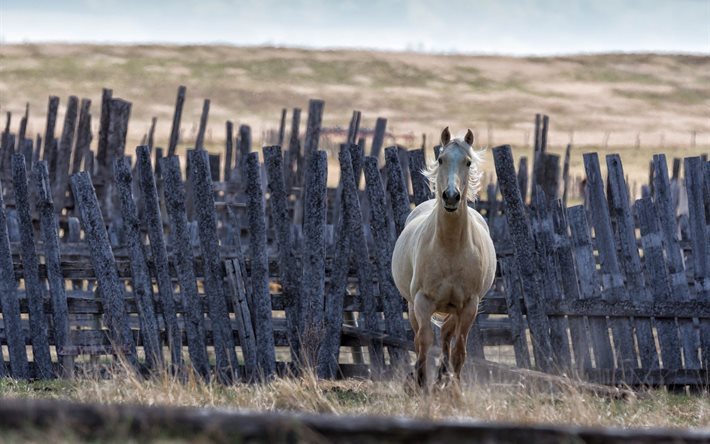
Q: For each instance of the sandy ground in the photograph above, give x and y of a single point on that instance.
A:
(632, 104)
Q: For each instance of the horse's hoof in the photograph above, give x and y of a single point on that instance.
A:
(413, 386)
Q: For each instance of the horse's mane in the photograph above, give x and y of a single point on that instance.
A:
(475, 173)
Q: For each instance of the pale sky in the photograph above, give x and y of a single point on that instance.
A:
(519, 27)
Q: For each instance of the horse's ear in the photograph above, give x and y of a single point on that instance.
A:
(445, 137)
(469, 137)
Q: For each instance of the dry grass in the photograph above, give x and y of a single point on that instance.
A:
(613, 98)
(518, 404)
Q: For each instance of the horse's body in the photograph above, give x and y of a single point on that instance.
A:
(444, 260)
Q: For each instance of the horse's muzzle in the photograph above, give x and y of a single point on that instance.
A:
(451, 199)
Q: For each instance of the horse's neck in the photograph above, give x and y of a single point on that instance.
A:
(451, 228)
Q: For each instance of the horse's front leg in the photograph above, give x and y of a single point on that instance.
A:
(463, 327)
(423, 310)
(447, 333)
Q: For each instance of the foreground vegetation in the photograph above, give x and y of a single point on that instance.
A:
(489, 402)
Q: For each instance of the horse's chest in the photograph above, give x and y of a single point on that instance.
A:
(451, 280)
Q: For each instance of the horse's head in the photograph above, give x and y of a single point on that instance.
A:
(456, 176)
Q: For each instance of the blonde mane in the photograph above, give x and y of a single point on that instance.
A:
(475, 174)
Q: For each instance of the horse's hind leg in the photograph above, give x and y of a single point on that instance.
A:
(423, 310)
(413, 321)
(447, 333)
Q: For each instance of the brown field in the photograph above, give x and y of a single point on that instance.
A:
(632, 104)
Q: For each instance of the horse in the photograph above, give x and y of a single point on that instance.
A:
(444, 260)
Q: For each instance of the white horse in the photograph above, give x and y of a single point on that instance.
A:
(444, 261)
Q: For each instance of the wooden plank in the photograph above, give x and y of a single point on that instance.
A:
(680, 292)
(201, 184)
(228, 150)
(392, 301)
(361, 254)
(353, 127)
(266, 356)
(245, 328)
(658, 281)
(420, 184)
(153, 220)
(700, 237)
(83, 135)
(620, 212)
(512, 296)
(104, 263)
(52, 108)
(10, 305)
(102, 145)
(313, 255)
(378, 138)
(399, 196)
(528, 265)
(589, 285)
(315, 117)
(570, 287)
(287, 261)
(612, 280)
(543, 232)
(60, 173)
(48, 223)
(177, 116)
(30, 262)
(200, 139)
(334, 314)
(140, 275)
(282, 128)
(295, 157)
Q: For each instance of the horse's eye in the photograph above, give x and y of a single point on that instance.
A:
(468, 163)
(440, 161)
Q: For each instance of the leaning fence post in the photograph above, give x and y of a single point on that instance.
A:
(140, 276)
(399, 196)
(288, 267)
(48, 222)
(154, 224)
(313, 254)
(184, 263)
(618, 199)
(361, 255)
(104, 264)
(30, 264)
(66, 143)
(525, 254)
(10, 305)
(379, 227)
(259, 268)
(378, 138)
(612, 280)
(659, 284)
(177, 115)
(420, 184)
(52, 108)
(315, 116)
(228, 150)
(201, 182)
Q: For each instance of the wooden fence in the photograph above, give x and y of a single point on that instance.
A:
(241, 269)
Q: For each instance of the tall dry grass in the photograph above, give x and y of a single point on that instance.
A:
(478, 401)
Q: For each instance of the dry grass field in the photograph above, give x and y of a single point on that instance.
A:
(632, 104)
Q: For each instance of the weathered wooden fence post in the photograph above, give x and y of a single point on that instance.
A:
(287, 261)
(378, 138)
(313, 256)
(48, 223)
(177, 115)
(315, 117)
(185, 265)
(30, 266)
(83, 136)
(160, 256)
(104, 264)
(525, 255)
(399, 196)
(61, 171)
(259, 269)
(10, 305)
(228, 150)
(420, 184)
(612, 281)
(200, 180)
(140, 275)
(52, 108)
